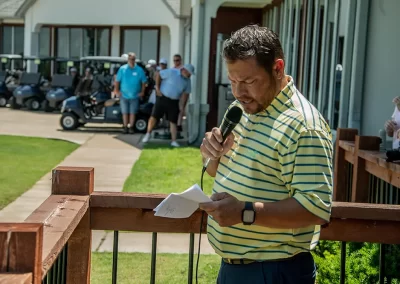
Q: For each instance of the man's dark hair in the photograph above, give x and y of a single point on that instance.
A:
(254, 41)
(178, 55)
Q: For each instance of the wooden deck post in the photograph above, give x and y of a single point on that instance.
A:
(360, 189)
(21, 246)
(341, 168)
(76, 181)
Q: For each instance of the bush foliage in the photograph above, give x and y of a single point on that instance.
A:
(362, 263)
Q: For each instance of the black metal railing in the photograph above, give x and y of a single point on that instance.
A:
(153, 258)
(57, 274)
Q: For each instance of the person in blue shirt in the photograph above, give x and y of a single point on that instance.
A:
(130, 84)
(171, 84)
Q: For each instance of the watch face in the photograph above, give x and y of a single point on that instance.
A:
(248, 216)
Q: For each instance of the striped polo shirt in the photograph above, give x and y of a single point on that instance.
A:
(284, 151)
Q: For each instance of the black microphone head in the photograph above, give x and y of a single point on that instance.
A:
(230, 121)
(234, 115)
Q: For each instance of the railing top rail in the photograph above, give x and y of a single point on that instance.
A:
(60, 215)
(20, 278)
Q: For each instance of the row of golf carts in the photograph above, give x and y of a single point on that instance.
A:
(80, 101)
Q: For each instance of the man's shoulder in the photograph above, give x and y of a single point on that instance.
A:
(123, 67)
(305, 115)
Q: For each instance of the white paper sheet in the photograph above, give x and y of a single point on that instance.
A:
(181, 205)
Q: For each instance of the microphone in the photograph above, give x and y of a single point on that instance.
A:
(230, 121)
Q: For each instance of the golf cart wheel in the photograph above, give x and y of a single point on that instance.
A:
(69, 121)
(141, 125)
(33, 104)
(3, 101)
(13, 104)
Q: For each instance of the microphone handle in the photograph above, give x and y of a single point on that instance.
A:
(224, 134)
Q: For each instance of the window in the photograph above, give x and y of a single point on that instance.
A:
(12, 40)
(102, 42)
(7, 40)
(75, 43)
(78, 42)
(62, 42)
(143, 42)
(44, 42)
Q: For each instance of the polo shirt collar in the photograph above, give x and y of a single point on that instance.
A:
(281, 99)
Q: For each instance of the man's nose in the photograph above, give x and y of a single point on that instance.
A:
(239, 90)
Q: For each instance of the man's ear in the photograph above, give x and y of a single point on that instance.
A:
(279, 69)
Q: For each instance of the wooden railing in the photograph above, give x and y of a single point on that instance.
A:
(53, 245)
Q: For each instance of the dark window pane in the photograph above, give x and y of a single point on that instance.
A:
(7, 38)
(75, 43)
(149, 45)
(44, 42)
(62, 42)
(19, 40)
(132, 42)
(88, 42)
(103, 37)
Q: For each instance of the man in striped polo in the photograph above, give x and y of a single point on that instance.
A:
(273, 175)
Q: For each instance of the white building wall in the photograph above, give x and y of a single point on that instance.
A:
(200, 81)
(165, 44)
(105, 13)
(382, 65)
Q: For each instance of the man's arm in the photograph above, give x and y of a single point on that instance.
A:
(212, 167)
(307, 171)
(117, 83)
(158, 84)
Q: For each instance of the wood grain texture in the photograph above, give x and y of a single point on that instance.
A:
(341, 167)
(79, 253)
(353, 230)
(360, 187)
(25, 242)
(72, 180)
(128, 219)
(365, 211)
(20, 278)
(3, 250)
(132, 200)
(60, 215)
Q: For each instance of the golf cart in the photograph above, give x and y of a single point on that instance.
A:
(93, 102)
(63, 84)
(8, 76)
(62, 87)
(33, 86)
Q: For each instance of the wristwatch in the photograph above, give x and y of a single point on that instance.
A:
(248, 213)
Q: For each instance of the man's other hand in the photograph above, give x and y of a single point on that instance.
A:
(225, 209)
(211, 146)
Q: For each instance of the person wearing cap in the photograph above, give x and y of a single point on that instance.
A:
(173, 83)
(163, 64)
(130, 84)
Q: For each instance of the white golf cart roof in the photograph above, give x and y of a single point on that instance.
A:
(10, 56)
(104, 59)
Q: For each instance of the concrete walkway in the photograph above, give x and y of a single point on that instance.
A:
(103, 147)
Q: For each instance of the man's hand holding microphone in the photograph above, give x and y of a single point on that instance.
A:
(225, 208)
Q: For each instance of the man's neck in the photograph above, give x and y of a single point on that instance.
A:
(132, 65)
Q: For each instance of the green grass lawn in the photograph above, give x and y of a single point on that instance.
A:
(24, 160)
(162, 169)
(135, 268)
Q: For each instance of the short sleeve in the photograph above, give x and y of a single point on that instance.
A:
(164, 74)
(307, 171)
(119, 75)
(188, 88)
